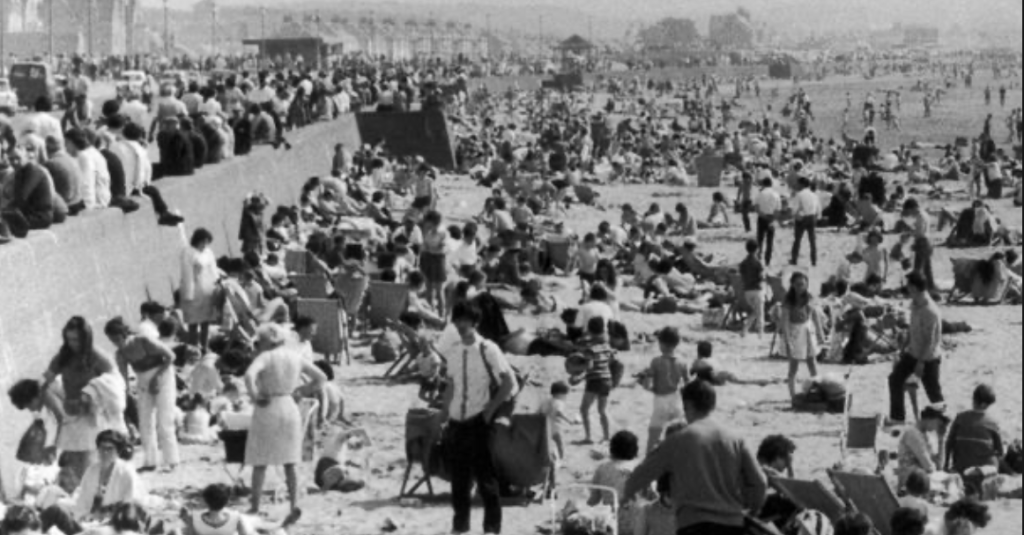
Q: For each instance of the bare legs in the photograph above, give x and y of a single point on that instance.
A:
(259, 477)
(602, 410)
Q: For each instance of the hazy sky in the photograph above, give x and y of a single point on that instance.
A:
(939, 12)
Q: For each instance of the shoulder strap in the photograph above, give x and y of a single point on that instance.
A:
(487, 365)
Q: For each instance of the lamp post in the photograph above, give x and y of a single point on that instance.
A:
(263, 34)
(92, 7)
(49, 25)
(213, 28)
(3, 38)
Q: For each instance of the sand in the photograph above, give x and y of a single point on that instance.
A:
(990, 354)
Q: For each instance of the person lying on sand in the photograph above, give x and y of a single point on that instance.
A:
(704, 370)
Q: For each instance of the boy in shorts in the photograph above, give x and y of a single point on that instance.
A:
(665, 377)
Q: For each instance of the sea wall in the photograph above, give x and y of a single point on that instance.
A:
(106, 264)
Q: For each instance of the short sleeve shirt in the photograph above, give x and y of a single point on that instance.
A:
(471, 380)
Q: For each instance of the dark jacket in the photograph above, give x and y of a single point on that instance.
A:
(67, 177)
(118, 182)
(176, 156)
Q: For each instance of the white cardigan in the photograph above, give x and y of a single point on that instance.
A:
(124, 487)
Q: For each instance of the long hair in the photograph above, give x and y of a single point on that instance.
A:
(793, 299)
(607, 274)
(85, 338)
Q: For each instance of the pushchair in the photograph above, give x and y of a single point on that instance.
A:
(571, 514)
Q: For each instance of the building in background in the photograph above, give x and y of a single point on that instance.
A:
(96, 27)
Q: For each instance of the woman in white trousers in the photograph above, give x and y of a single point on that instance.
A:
(153, 366)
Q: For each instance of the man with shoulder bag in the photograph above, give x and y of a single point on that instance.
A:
(482, 386)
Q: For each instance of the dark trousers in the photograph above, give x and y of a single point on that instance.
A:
(766, 238)
(712, 529)
(808, 226)
(470, 451)
(923, 251)
(159, 206)
(745, 208)
(903, 371)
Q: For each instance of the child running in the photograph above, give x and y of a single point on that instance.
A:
(554, 409)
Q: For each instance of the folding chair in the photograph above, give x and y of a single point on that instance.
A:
(870, 495)
(351, 291)
(296, 262)
(387, 302)
(860, 433)
(423, 429)
(810, 495)
(964, 273)
(331, 337)
(410, 350)
(560, 255)
(235, 443)
(310, 286)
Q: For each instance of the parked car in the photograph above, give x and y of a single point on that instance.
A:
(33, 80)
(132, 83)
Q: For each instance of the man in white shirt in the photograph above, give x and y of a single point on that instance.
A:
(480, 383)
(95, 186)
(806, 211)
(42, 123)
(597, 307)
(768, 205)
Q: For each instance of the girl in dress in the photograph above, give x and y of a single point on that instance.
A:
(800, 329)
(199, 276)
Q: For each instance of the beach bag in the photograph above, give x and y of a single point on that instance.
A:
(31, 449)
(618, 370)
(386, 349)
(618, 336)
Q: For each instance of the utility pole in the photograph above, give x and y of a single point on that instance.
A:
(167, 30)
(319, 42)
(540, 37)
(213, 28)
(263, 34)
(49, 25)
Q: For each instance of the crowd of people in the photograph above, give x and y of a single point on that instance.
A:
(234, 346)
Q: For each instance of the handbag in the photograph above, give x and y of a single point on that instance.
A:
(32, 448)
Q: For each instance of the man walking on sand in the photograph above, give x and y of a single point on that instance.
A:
(474, 365)
(922, 352)
(806, 211)
(716, 478)
(768, 205)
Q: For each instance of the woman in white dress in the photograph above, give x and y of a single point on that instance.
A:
(199, 276)
(276, 434)
(800, 329)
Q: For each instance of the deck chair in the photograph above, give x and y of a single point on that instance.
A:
(310, 286)
(740, 308)
(331, 339)
(234, 443)
(810, 495)
(964, 272)
(296, 262)
(870, 495)
(560, 254)
(387, 302)
(522, 453)
(860, 433)
(408, 353)
(423, 428)
(351, 291)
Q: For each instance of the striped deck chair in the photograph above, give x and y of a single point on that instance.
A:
(387, 302)
(352, 292)
(810, 495)
(331, 339)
